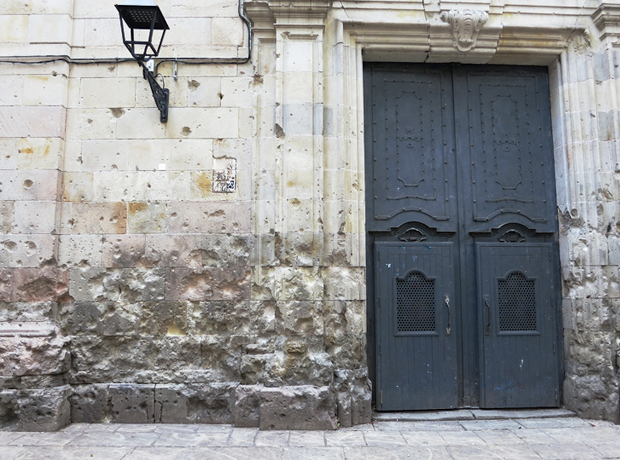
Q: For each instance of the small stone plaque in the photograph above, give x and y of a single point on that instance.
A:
(224, 175)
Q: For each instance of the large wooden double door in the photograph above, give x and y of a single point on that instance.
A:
(462, 237)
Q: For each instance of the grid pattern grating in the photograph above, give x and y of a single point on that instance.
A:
(517, 303)
(140, 18)
(415, 304)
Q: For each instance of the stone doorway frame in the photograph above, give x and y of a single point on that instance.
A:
(326, 43)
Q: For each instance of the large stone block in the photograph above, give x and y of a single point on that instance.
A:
(90, 404)
(132, 403)
(131, 358)
(32, 121)
(21, 356)
(195, 403)
(44, 409)
(247, 406)
(297, 408)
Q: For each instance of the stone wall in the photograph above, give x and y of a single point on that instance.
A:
(212, 269)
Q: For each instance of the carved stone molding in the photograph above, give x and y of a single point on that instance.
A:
(607, 20)
(466, 25)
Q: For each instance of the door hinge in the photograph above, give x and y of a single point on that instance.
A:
(554, 348)
(379, 302)
(381, 398)
(380, 349)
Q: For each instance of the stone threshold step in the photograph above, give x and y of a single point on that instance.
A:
(470, 414)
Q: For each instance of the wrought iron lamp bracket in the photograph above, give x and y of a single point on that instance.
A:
(161, 95)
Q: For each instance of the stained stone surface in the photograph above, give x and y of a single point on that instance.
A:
(171, 302)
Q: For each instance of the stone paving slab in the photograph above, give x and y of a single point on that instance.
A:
(514, 439)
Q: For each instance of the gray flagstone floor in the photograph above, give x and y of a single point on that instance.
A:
(554, 438)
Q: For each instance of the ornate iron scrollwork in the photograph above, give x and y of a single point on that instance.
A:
(412, 235)
(511, 236)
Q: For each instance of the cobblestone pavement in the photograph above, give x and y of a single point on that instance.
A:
(546, 438)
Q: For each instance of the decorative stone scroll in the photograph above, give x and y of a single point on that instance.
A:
(465, 26)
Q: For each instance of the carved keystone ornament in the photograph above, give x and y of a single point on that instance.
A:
(465, 26)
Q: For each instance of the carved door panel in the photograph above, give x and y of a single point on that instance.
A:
(460, 197)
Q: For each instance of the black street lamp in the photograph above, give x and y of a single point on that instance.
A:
(143, 18)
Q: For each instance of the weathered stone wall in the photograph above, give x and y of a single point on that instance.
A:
(132, 289)
(587, 130)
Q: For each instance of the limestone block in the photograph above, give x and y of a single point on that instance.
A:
(147, 119)
(102, 155)
(27, 311)
(300, 283)
(343, 283)
(239, 149)
(47, 28)
(204, 92)
(231, 283)
(31, 121)
(122, 250)
(146, 217)
(37, 7)
(590, 396)
(21, 356)
(198, 8)
(89, 403)
(9, 149)
(192, 30)
(125, 285)
(170, 155)
(300, 184)
(132, 403)
(189, 154)
(120, 185)
(299, 215)
(6, 218)
(43, 410)
(6, 285)
(247, 406)
(77, 186)
(82, 318)
(40, 153)
(164, 318)
(79, 250)
(298, 56)
(99, 218)
(227, 31)
(12, 89)
(35, 217)
(29, 185)
(130, 358)
(107, 92)
(14, 28)
(195, 403)
(300, 319)
(99, 32)
(207, 123)
(237, 92)
(26, 251)
(171, 250)
(301, 119)
(167, 185)
(209, 217)
(224, 250)
(297, 408)
(39, 284)
(91, 124)
(298, 87)
(231, 317)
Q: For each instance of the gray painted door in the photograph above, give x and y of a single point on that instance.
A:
(461, 227)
